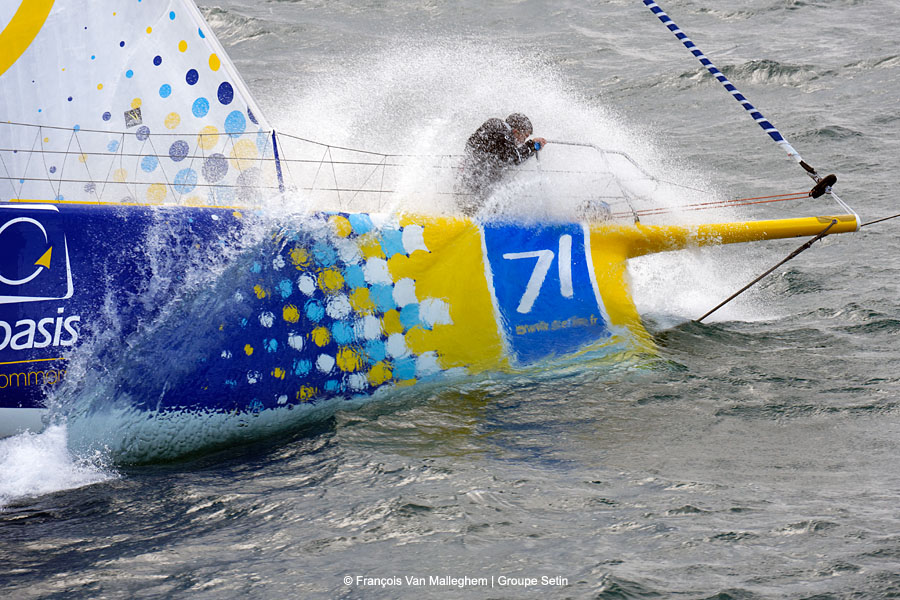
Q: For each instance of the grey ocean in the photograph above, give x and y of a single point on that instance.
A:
(757, 457)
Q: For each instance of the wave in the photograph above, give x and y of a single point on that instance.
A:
(33, 464)
(233, 28)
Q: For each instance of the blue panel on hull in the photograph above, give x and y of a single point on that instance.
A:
(543, 290)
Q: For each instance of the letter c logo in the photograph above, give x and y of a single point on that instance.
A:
(39, 268)
(21, 30)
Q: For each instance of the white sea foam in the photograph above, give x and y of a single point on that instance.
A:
(33, 464)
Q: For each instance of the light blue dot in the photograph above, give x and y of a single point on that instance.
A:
(301, 367)
(409, 315)
(200, 107)
(256, 267)
(113, 146)
(285, 287)
(382, 296)
(129, 73)
(324, 254)
(262, 142)
(165, 90)
(235, 123)
(185, 181)
(77, 128)
(93, 56)
(200, 31)
(343, 333)
(392, 243)
(172, 15)
(354, 277)
(314, 311)
(361, 223)
(224, 195)
(332, 386)
(405, 368)
(149, 163)
(271, 345)
(375, 351)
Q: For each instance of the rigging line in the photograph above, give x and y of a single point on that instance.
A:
(295, 137)
(823, 184)
(793, 254)
(28, 164)
(712, 205)
(86, 168)
(208, 185)
(109, 132)
(355, 194)
(757, 116)
(2, 162)
(880, 220)
(334, 174)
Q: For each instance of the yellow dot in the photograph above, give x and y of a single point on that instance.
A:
(120, 175)
(278, 373)
(347, 360)
(290, 313)
(391, 322)
(248, 349)
(182, 45)
(214, 62)
(321, 336)
(379, 373)
(99, 86)
(300, 257)
(82, 158)
(173, 120)
(156, 193)
(341, 225)
(331, 281)
(244, 155)
(208, 137)
(46, 140)
(149, 30)
(136, 103)
(370, 246)
(361, 302)
(260, 293)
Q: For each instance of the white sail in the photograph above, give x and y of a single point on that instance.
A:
(125, 101)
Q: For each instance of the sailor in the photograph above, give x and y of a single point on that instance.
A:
(494, 147)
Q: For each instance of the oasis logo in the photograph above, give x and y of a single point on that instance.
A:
(34, 255)
(27, 334)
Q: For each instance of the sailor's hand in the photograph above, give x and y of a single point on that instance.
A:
(539, 143)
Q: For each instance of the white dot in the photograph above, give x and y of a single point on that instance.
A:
(338, 307)
(325, 363)
(396, 346)
(306, 284)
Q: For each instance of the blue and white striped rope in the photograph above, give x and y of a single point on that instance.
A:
(757, 116)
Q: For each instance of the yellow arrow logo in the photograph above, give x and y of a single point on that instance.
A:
(22, 30)
(44, 261)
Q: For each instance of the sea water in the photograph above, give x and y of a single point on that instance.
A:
(756, 458)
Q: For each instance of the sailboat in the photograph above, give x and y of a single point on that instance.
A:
(136, 183)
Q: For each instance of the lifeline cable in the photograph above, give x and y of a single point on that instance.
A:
(823, 184)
